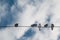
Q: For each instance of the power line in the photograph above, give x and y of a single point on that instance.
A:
(26, 26)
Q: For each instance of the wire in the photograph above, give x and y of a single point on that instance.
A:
(26, 26)
(15, 26)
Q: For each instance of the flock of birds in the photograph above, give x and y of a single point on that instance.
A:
(35, 25)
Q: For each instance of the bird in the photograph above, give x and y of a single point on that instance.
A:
(39, 27)
(16, 25)
(34, 25)
(46, 25)
(52, 26)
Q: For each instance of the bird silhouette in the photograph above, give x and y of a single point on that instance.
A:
(46, 25)
(52, 26)
(16, 25)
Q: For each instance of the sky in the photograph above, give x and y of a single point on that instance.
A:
(25, 13)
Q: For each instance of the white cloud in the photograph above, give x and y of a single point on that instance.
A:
(3, 10)
(8, 34)
(27, 18)
(31, 14)
(56, 11)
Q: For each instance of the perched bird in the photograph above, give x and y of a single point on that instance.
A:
(16, 25)
(34, 25)
(39, 26)
(46, 25)
(52, 26)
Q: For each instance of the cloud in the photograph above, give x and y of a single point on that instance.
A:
(27, 12)
(7, 34)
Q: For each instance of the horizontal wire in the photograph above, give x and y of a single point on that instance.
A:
(26, 26)
(15, 26)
